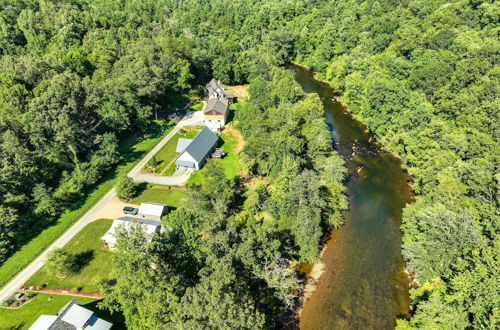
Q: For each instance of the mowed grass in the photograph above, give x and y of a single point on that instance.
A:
(163, 196)
(27, 314)
(166, 155)
(50, 304)
(93, 262)
(230, 163)
(132, 151)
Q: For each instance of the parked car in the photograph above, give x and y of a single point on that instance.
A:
(218, 153)
(130, 210)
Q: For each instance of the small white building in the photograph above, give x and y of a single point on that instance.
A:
(71, 316)
(148, 226)
(193, 153)
(153, 211)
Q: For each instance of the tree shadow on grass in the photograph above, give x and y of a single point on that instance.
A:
(82, 260)
(141, 187)
(116, 318)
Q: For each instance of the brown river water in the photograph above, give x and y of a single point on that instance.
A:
(364, 285)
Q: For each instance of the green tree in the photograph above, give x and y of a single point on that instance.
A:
(61, 262)
(146, 289)
(219, 301)
(46, 204)
(126, 188)
(9, 218)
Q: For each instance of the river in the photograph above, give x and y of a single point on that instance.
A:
(364, 285)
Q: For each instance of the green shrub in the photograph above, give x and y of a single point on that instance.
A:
(30, 295)
(126, 188)
(152, 163)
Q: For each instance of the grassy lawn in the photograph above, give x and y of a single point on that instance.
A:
(23, 317)
(198, 106)
(163, 196)
(132, 150)
(167, 154)
(94, 262)
(230, 163)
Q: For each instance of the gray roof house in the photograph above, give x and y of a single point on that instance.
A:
(193, 154)
(216, 107)
(71, 317)
(215, 89)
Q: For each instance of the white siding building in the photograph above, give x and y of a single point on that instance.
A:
(148, 226)
(193, 153)
(153, 211)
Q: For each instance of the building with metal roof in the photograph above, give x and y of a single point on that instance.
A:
(153, 211)
(71, 317)
(182, 144)
(195, 154)
(148, 226)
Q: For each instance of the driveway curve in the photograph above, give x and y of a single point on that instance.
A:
(192, 118)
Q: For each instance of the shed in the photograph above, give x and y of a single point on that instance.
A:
(153, 211)
(194, 155)
(148, 226)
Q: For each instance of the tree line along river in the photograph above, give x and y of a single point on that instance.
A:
(364, 285)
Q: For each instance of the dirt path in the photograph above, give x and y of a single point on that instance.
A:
(167, 188)
(68, 292)
(240, 142)
(239, 91)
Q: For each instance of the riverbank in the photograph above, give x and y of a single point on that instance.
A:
(360, 119)
(362, 283)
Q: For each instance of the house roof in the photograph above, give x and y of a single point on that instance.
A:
(96, 323)
(182, 144)
(216, 86)
(149, 227)
(43, 322)
(213, 85)
(154, 209)
(71, 317)
(77, 316)
(201, 144)
(217, 104)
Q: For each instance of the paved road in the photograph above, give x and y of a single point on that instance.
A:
(192, 118)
